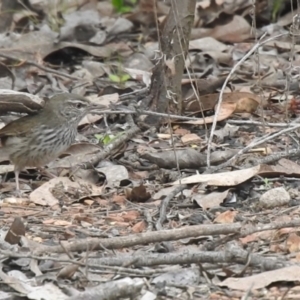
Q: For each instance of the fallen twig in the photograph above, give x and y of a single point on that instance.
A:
(163, 235)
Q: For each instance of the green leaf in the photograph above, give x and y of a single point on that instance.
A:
(114, 78)
(125, 77)
(117, 4)
(125, 9)
(105, 138)
(120, 7)
(119, 78)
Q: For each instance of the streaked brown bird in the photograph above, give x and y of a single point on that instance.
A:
(36, 140)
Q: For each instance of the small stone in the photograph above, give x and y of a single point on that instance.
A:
(275, 197)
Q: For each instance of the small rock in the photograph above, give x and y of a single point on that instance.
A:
(275, 197)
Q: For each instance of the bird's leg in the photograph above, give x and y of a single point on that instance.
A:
(17, 172)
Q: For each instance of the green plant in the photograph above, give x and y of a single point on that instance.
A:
(119, 78)
(267, 183)
(277, 6)
(121, 7)
(107, 138)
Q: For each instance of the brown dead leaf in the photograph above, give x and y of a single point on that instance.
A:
(44, 195)
(62, 223)
(209, 101)
(181, 131)
(88, 202)
(287, 230)
(164, 136)
(287, 164)
(68, 271)
(265, 235)
(191, 138)
(139, 227)
(48, 222)
(139, 194)
(131, 215)
(226, 110)
(221, 179)
(103, 202)
(213, 199)
(235, 31)
(249, 238)
(118, 199)
(284, 167)
(226, 217)
(207, 44)
(15, 232)
(85, 224)
(263, 279)
(293, 242)
(235, 177)
(114, 218)
(202, 86)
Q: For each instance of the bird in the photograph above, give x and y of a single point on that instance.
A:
(36, 140)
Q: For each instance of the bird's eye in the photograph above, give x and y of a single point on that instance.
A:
(78, 105)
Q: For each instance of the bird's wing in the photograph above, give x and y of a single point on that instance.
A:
(19, 127)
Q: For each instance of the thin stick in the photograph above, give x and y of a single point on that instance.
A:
(214, 124)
